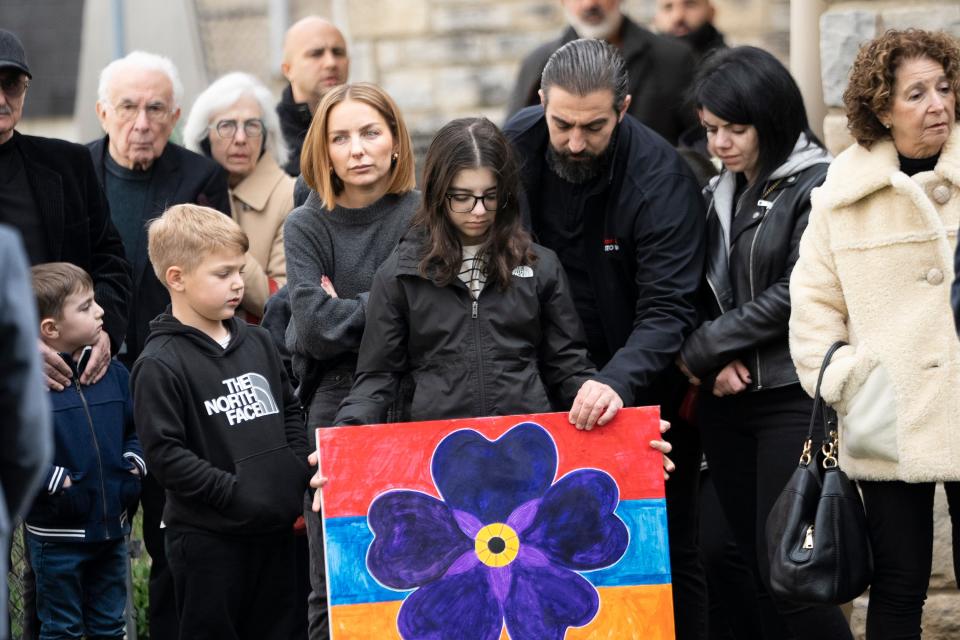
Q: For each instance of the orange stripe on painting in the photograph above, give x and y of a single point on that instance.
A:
(371, 460)
(365, 621)
(626, 613)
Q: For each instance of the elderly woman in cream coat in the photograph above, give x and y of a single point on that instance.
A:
(234, 122)
(875, 268)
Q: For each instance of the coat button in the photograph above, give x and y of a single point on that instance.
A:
(941, 193)
(935, 276)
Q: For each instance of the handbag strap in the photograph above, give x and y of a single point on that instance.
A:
(829, 446)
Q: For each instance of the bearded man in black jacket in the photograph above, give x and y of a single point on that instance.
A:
(624, 214)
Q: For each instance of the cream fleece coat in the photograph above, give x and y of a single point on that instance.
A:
(875, 269)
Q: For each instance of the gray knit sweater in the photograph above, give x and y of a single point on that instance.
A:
(346, 245)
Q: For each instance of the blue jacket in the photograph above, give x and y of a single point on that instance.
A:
(96, 446)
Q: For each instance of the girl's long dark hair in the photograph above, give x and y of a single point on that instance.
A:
(747, 85)
(471, 143)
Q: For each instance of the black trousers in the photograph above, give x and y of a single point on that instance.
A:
(900, 519)
(753, 442)
(162, 606)
(731, 587)
(233, 587)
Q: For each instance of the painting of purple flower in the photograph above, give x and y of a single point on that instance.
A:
(503, 546)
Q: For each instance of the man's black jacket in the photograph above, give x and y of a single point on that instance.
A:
(76, 220)
(644, 235)
(179, 176)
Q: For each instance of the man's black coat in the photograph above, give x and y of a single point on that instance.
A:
(76, 220)
(179, 177)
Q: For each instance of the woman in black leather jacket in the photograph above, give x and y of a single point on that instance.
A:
(752, 412)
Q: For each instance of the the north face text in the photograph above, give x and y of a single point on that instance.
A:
(248, 397)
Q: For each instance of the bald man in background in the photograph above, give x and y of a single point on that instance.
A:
(314, 60)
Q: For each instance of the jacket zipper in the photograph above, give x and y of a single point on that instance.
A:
(96, 447)
(753, 244)
(476, 338)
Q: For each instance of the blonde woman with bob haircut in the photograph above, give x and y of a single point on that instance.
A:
(234, 123)
(358, 160)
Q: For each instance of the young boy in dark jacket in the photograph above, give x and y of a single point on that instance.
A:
(76, 529)
(223, 434)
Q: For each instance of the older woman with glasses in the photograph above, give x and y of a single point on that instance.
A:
(233, 122)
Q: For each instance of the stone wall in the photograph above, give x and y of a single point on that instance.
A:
(442, 59)
(843, 27)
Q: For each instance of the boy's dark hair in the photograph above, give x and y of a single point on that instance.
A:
(53, 282)
(471, 143)
(748, 86)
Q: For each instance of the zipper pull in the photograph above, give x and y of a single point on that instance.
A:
(474, 308)
(808, 538)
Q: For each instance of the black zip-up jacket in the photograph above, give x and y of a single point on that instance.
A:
(644, 236)
(295, 119)
(507, 352)
(221, 429)
(746, 306)
(96, 447)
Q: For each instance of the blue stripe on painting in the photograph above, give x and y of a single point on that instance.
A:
(645, 562)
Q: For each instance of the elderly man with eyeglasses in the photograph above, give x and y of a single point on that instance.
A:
(143, 173)
(49, 193)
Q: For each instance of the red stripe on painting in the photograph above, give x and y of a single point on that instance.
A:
(373, 459)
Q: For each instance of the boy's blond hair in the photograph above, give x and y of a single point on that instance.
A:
(53, 282)
(186, 233)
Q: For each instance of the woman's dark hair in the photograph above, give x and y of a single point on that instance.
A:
(747, 85)
(471, 143)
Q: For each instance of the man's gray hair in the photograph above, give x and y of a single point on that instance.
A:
(145, 62)
(584, 66)
(223, 94)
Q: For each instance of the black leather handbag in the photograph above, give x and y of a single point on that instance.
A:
(817, 541)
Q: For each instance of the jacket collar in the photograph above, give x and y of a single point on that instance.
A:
(634, 39)
(858, 172)
(256, 188)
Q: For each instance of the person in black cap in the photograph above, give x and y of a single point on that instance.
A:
(50, 194)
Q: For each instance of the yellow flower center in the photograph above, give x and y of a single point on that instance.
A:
(497, 545)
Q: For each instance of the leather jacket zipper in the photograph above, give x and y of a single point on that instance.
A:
(710, 284)
(96, 447)
(767, 207)
(753, 245)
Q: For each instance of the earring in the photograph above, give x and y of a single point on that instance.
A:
(395, 156)
(886, 124)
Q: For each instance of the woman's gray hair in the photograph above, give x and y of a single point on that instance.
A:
(222, 94)
(584, 66)
(142, 61)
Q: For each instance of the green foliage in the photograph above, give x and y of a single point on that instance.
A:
(140, 572)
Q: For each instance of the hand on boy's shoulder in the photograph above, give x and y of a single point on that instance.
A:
(56, 372)
(99, 360)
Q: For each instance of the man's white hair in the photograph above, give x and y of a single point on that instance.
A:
(223, 94)
(143, 61)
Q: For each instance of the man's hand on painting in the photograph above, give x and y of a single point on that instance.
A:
(596, 404)
(318, 481)
(664, 447)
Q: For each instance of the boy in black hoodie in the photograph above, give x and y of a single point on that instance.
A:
(223, 433)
